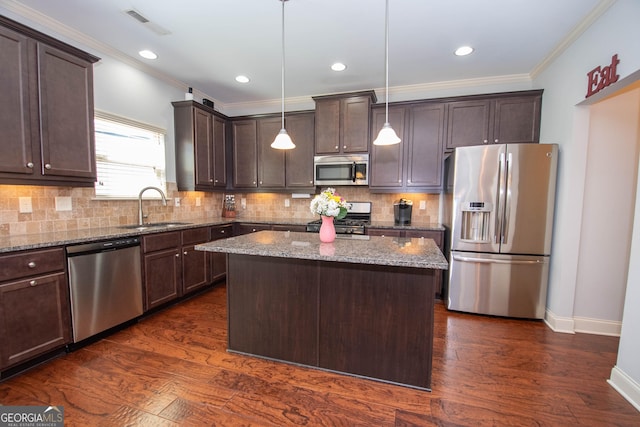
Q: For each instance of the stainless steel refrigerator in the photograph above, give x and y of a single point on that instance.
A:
(500, 219)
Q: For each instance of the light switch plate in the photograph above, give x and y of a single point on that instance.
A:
(176, 201)
(198, 201)
(287, 203)
(63, 203)
(25, 204)
(423, 205)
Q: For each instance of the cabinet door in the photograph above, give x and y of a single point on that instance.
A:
(424, 147)
(468, 123)
(219, 259)
(203, 150)
(219, 152)
(35, 318)
(387, 161)
(517, 120)
(327, 126)
(195, 269)
(65, 85)
(162, 277)
(271, 172)
(354, 128)
(15, 126)
(299, 161)
(245, 154)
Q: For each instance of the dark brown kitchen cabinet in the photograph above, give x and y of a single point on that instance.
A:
(161, 268)
(245, 154)
(196, 265)
(240, 228)
(46, 111)
(34, 302)
(299, 161)
(171, 265)
(200, 147)
(503, 119)
(271, 166)
(289, 227)
(257, 165)
(219, 259)
(416, 163)
(342, 122)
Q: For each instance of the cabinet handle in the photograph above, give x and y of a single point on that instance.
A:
(215, 181)
(344, 146)
(254, 183)
(495, 140)
(211, 180)
(260, 182)
(485, 141)
(408, 181)
(31, 264)
(47, 166)
(177, 255)
(33, 282)
(221, 231)
(310, 182)
(30, 165)
(185, 252)
(336, 147)
(399, 181)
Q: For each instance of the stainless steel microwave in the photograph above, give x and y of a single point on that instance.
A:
(350, 169)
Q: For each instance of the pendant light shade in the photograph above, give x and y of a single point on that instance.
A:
(283, 140)
(387, 135)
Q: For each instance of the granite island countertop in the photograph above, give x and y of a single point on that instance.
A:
(391, 251)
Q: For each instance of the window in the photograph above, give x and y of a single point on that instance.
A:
(129, 157)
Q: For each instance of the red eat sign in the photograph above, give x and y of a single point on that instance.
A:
(601, 77)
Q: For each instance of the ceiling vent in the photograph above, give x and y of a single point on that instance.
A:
(148, 24)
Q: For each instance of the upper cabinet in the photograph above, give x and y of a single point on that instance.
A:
(502, 119)
(256, 165)
(46, 110)
(200, 147)
(416, 163)
(342, 122)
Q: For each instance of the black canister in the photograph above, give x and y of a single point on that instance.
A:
(402, 212)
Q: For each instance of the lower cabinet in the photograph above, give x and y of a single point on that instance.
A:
(436, 235)
(171, 265)
(34, 305)
(240, 228)
(219, 259)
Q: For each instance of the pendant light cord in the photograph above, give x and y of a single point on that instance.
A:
(282, 73)
(386, 61)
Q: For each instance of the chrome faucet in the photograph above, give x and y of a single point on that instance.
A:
(141, 216)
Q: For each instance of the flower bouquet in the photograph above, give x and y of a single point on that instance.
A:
(329, 203)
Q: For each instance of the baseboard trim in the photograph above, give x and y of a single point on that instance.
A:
(626, 386)
(597, 326)
(563, 325)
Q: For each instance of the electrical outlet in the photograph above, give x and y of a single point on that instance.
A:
(198, 201)
(25, 204)
(287, 203)
(423, 205)
(243, 203)
(63, 203)
(176, 201)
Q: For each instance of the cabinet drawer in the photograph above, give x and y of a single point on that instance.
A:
(25, 264)
(221, 232)
(194, 236)
(156, 242)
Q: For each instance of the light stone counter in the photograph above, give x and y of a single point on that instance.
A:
(392, 251)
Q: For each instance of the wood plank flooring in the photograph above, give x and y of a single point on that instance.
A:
(172, 369)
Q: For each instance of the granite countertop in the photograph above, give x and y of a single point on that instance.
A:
(415, 225)
(392, 251)
(72, 237)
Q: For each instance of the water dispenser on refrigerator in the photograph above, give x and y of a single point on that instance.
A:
(476, 217)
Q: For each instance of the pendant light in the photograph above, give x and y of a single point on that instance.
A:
(283, 140)
(387, 135)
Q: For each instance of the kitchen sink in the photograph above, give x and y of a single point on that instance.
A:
(153, 225)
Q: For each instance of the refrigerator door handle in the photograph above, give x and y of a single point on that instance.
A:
(507, 208)
(499, 211)
(495, 261)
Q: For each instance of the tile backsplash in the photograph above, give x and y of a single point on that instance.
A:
(87, 212)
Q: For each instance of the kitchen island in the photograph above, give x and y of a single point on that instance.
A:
(362, 305)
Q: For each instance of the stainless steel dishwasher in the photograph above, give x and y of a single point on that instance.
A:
(105, 285)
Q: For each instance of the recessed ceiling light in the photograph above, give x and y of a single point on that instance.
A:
(147, 54)
(464, 50)
(242, 79)
(338, 66)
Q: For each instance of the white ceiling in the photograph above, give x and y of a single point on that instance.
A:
(212, 41)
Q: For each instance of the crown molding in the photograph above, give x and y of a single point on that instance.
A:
(577, 31)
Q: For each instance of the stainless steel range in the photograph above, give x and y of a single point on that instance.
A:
(358, 217)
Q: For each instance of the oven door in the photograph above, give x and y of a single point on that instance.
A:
(341, 170)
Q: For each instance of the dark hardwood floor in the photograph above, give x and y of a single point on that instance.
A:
(171, 369)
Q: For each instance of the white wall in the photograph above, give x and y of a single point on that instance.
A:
(565, 85)
(608, 210)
